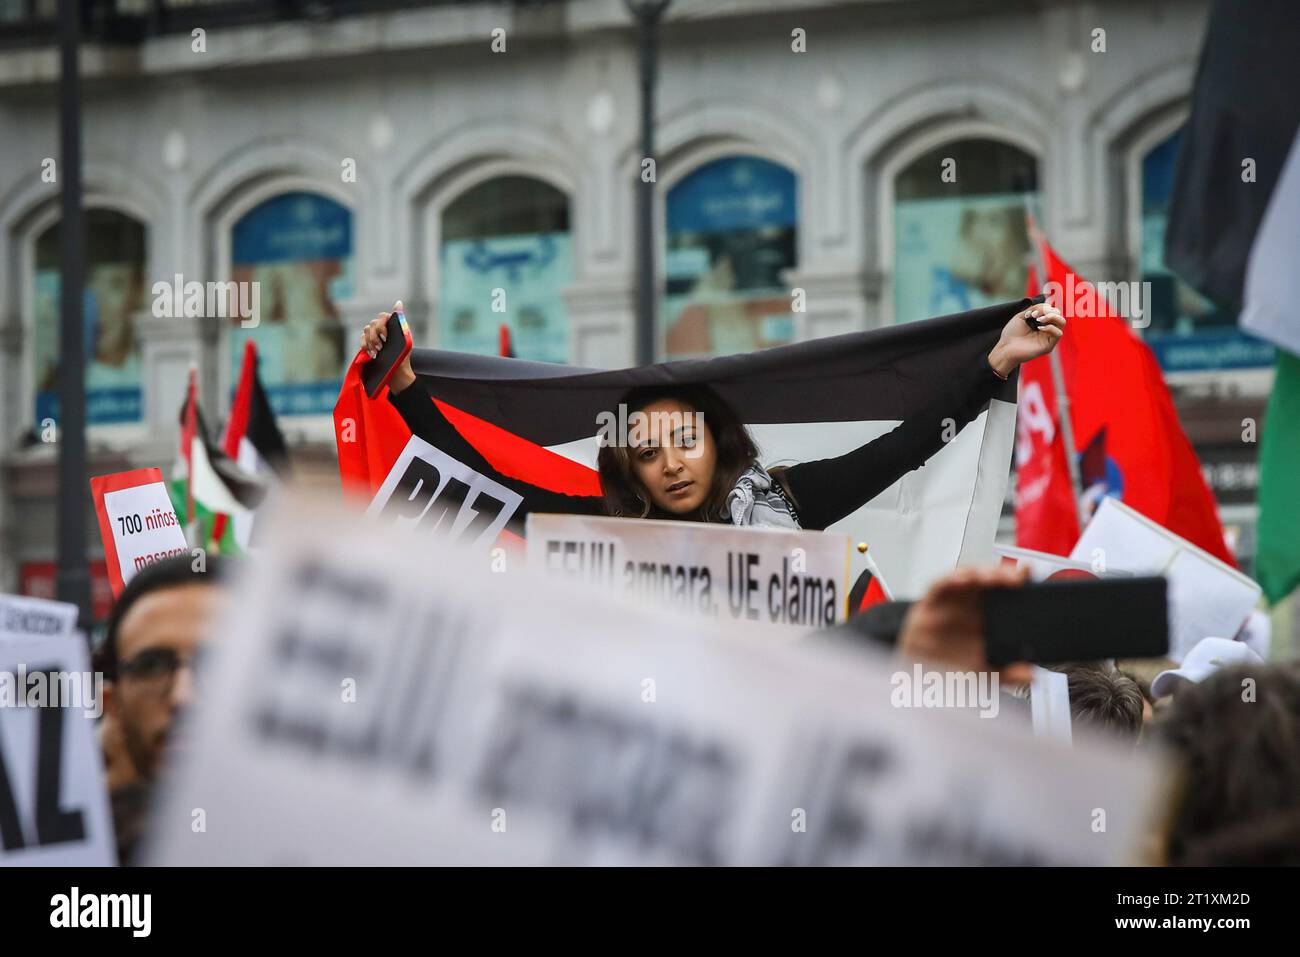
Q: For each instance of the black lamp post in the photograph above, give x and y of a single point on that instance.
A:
(648, 13)
(73, 575)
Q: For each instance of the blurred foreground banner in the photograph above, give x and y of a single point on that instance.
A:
(366, 705)
(772, 576)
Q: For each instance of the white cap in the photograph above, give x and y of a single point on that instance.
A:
(1207, 657)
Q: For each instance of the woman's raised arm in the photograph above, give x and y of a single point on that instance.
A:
(827, 490)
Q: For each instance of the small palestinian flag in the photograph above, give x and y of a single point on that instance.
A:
(206, 482)
(870, 588)
(254, 441)
(507, 348)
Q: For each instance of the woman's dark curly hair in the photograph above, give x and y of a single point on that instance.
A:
(626, 497)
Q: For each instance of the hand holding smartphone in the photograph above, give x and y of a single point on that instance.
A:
(1077, 620)
(975, 619)
(376, 373)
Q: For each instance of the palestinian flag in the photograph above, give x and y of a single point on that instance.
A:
(1234, 229)
(538, 422)
(206, 482)
(506, 347)
(254, 441)
(870, 589)
(1244, 108)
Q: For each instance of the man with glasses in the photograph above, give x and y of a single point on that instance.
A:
(154, 633)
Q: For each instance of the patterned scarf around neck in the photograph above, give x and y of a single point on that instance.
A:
(757, 500)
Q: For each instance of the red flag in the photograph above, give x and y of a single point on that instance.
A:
(1127, 435)
(506, 348)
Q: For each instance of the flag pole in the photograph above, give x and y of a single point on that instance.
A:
(188, 429)
(1064, 422)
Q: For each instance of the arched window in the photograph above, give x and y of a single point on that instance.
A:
(506, 258)
(113, 299)
(732, 233)
(959, 228)
(297, 248)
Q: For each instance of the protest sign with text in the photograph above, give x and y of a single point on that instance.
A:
(136, 521)
(429, 490)
(775, 576)
(24, 617)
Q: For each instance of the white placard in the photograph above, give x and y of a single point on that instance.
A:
(1044, 566)
(772, 576)
(137, 523)
(1207, 599)
(428, 489)
(53, 803)
(24, 617)
(362, 711)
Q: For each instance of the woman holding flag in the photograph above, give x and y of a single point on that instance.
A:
(694, 459)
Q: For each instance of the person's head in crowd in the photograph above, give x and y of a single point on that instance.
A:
(1105, 699)
(680, 464)
(1144, 686)
(153, 634)
(1237, 734)
(1144, 671)
(1206, 657)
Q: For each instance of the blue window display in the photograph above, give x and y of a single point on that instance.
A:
(297, 247)
(506, 257)
(112, 300)
(732, 232)
(960, 240)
